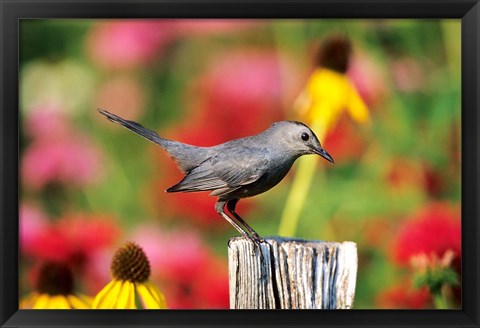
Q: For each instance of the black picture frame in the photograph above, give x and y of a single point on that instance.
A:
(466, 10)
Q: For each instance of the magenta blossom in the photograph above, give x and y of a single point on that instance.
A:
(368, 79)
(247, 89)
(74, 161)
(47, 122)
(190, 275)
(126, 44)
(32, 222)
(168, 257)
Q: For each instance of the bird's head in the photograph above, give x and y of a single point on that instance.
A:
(298, 139)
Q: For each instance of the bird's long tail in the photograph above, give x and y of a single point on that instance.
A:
(186, 156)
(135, 127)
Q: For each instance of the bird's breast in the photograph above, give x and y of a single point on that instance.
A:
(268, 180)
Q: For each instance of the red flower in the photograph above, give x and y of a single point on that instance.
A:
(432, 231)
(72, 239)
(344, 142)
(404, 297)
(212, 286)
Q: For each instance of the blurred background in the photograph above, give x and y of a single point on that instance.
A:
(88, 186)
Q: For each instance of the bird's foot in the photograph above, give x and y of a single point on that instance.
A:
(257, 241)
(257, 238)
(253, 239)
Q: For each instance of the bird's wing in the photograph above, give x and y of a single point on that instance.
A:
(230, 170)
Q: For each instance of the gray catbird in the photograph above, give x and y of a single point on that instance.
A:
(238, 168)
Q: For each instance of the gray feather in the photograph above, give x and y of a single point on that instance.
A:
(186, 156)
(226, 171)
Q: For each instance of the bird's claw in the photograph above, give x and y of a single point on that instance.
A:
(256, 239)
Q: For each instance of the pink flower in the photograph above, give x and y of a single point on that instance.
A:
(174, 254)
(58, 153)
(47, 122)
(246, 89)
(126, 44)
(432, 231)
(189, 274)
(73, 161)
(32, 222)
(368, 79)
(97, 273)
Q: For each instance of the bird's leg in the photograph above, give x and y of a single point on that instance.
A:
(219, 207)
(231, 208)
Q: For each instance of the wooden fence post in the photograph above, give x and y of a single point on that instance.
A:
(291, 274)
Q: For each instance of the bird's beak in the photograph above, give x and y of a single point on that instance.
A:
(322, 152)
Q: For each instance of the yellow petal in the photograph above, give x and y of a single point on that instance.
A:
(302, 103)
(103, 298)
(28, 301)
(77, 302)
(156, 293)
(41, 302)
(59, 302)
(131, 304)
(356, 106)
(51, 303)
(112, 298)
(126, 296)
(86, 299)
(332, 93)
(151, 296)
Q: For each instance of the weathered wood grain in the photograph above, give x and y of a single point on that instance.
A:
(291, 274)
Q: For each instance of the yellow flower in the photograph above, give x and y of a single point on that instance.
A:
(327, 95)
(54, 290)
(46, 301)
(329, 92)
(131, 271)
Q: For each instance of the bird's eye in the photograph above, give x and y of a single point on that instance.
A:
(305, 136)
